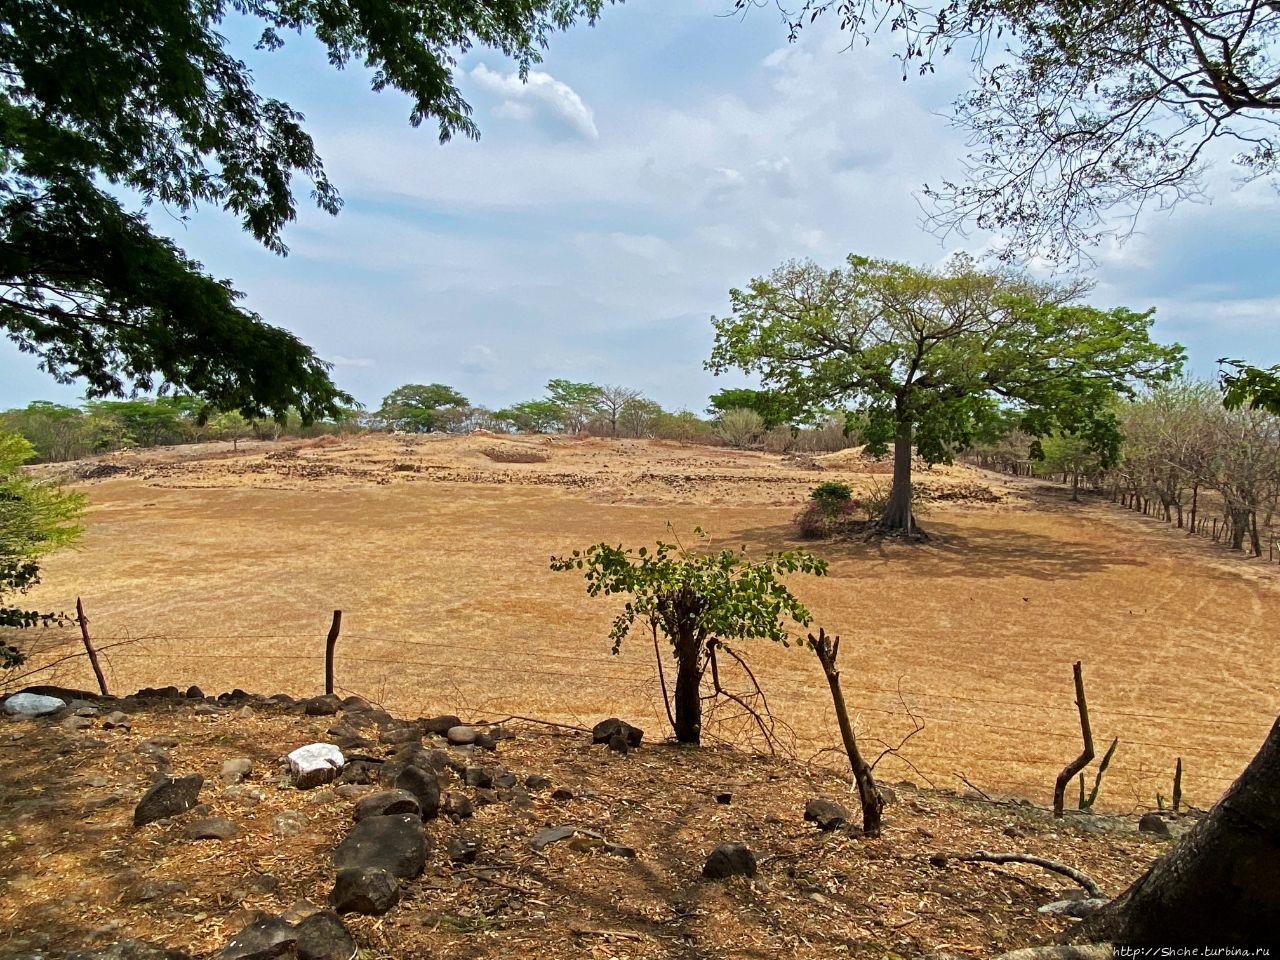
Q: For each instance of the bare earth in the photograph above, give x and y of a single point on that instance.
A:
(223, 567)
(226, 566)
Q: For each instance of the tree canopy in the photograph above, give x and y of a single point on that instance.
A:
(144, 99)
(1082, 111)
(417, 407)
(931, 357)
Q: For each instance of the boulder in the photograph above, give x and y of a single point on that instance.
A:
(167, 797)
(544, 838)
(606, 730)
(387, 803)
(261, 940)
(371, 891)
(32, 705)
(212, 828)
(730, 860)
(395, 843)
(827, 814)
(461, 735)
(463, 848)
(128, 950)
(235, 770)
(439, 725)
(323, 936)
(315, 764)
(324, 706)
(425, 787)
(289, 823)
(1155, 824)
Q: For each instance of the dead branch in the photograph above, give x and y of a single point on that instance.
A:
(1070, 770)
(88, 648)
(917, 724)
(523, 719)
(662, 675)
(1071, 873)
(976, 789)
(758, 717)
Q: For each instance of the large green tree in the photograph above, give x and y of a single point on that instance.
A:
(417, 407)
(931, 356)
(144, 99)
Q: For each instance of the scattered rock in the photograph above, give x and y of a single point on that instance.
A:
(128, 950)
(544, 838)
(619, 850)
(562, 794)
(724, 797)
(394, 843)
(1155, 824)
(206, 710)
(1078, 908)
(261, 940)
(387, 803)
(32, 705)
(1088, 951)
(606, 730)
(504, 779)
(315, 764)
(486, 741)
(244, 793)
(167, 797)
(425, 787)
(439, 725)
(213, 828)
(730, 860)
(75, 724)
(461, 735)
(939, 859)
(360, 771)
(537, 781)
(147, 890)
(618, 744)
(323, 706)
(323, 936)
(458, 806)
(233, 771)
(398, 732)
(463, 848)
(367, 890)
(827, 814)
(289, 823)
(195, 693)
(481, 777)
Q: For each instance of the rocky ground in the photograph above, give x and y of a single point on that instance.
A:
(171, 821)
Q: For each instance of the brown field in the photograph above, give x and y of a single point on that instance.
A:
(225, 567)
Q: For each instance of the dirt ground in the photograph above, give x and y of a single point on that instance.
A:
(224, 567)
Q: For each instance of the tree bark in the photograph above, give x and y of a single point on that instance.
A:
(688, 689)
(898, 516)
(1220, 885)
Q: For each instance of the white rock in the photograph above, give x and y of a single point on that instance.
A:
(315, 764)
(32, 705)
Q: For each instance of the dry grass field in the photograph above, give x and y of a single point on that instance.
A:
(225, 566)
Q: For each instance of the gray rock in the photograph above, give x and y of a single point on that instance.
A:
(75, 724)
(1085, 951)
(463, 848)
(147, 890)
(458, 806)
(117, 720)
(323, 936)
(395, 843)
(562, 794)
(212, 828)
(233, 771)
(167, 797)
(423, 785)
(360, 771)
(827, 814)
(730, 860)
(503, 779)
(606, 730)
(371, 891)
(32, 705)
(1079, 908)
(481, 777)
(544, 838)
(486, 741)
(289, 823)
(1155, 824)
(386, 803)
(261, 940)
(325, 706)
(461, 735)
(352, 791)
(399, 732)
(315, 764)
(537, 781)
(244, 793)
(206, 710)
(619, 850)
(439, 725)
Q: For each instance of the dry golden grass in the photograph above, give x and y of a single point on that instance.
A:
(229, 564)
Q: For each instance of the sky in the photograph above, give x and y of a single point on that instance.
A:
(650, 164)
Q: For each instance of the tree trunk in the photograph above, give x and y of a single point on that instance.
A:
(688, 690)
(1255, 542)
(1220, 885)
(1195, 502)
(897, 516)
(1075, 485)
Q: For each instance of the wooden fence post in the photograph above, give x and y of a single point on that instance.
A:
(330, 642)
(88, 646)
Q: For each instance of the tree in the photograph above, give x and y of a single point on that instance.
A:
(639, 417)
(1220, 885)
(146, 99)
(740, 428)
(932, 355)
(699, 602)
(532, 416)
(1080, 111)
(772, 406)
(35, 519)
(579, 403)
(416, 407)
(613, 400)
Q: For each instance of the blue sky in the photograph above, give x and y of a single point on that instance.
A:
(652, 163)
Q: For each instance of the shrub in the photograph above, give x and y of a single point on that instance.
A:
(740, 428)
(831, 492)
(831, 512)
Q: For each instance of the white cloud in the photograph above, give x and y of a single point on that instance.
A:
(363, 362)
(556, 95)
